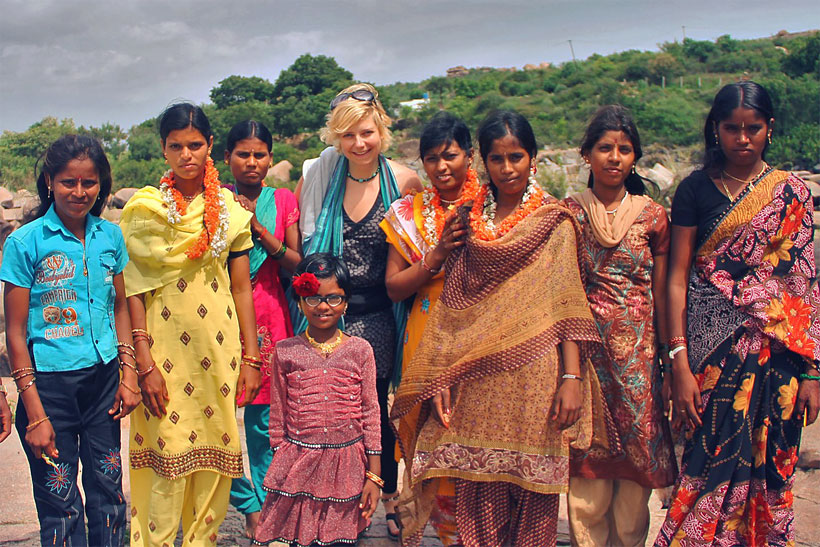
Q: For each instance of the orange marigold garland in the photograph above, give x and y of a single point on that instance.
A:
(434, 213)
(482, 215)
(216, 218)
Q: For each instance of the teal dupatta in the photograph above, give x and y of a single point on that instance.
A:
(327, 238)
(266, 215)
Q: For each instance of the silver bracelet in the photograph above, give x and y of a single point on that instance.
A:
(571, 377)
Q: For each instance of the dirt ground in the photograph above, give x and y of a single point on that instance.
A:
(18, 518)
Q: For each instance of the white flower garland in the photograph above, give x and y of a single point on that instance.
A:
(219, 241)
(429, 214)
(168, 198)
(488, 213)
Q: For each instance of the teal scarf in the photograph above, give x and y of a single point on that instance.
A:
(266, 215)
(327, 238)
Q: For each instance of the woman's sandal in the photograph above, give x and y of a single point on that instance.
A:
(392, 517)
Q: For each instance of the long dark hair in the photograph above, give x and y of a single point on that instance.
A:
(615, 117)
(324, 266)
(745, 94)
(445, 128)
(62, 151)
(498, 125)
(249, 129)
(182, 116)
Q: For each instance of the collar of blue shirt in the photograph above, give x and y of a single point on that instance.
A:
(52, 222)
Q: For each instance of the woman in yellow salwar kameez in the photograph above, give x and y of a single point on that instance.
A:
(423, 228)
(189, 295)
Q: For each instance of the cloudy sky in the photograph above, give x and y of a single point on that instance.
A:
(124, 61)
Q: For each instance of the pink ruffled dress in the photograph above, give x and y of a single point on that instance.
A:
(324, 421)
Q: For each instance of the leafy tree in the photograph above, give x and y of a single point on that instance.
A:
(664, 65)
(727, 44)
(303, 92)
(143, 141)
(311, 75)
(32, 142)
(239, 89)
(799, 148)
(131, 173)
(804, 57)
(112, 137)
(439, 85)
(699, 50)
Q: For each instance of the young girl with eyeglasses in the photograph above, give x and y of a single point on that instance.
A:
(323, 483)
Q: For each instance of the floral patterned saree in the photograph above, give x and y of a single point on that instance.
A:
(753, 328)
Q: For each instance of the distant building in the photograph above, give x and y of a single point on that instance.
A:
(415, 104)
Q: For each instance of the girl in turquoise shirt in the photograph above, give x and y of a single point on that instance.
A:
(67, 329)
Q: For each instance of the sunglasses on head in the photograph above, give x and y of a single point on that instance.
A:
(360, 95)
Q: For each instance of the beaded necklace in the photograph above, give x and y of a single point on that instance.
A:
(366, 179)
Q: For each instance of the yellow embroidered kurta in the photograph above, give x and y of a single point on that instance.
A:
(191, 317)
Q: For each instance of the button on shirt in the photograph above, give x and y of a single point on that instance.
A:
(71, 312)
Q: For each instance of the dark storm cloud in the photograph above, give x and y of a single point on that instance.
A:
(97, 61)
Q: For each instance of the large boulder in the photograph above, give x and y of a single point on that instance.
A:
(281, 171)
(29, 204)
(6, 198)
(661, 176)
(121, 197)
(6, 228)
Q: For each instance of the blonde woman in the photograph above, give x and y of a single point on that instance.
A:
(343, 197)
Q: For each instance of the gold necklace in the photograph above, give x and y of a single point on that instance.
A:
(750, 181)
(325, 347)
(765, 166)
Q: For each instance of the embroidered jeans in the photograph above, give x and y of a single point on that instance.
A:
(77, 403)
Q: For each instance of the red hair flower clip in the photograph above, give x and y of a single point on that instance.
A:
(305, 284)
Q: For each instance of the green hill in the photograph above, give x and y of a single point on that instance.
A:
(669, 92)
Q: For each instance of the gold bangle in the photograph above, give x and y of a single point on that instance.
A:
(139, 331)
(128, 352)
(129, 388)
(25, 387)
(125, 346)
(32, 425)
(251, 358)
(129, 365)
(22, 372)
(142, 373)
(252, 365)
(371, 476)
(428, 268)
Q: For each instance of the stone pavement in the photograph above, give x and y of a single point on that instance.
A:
(18, 518)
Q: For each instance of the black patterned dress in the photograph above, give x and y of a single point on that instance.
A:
(370, 313)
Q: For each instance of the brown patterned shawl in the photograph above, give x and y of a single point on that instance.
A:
(493, 339)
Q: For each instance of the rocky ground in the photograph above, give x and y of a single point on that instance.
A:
(18, 518)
